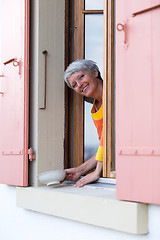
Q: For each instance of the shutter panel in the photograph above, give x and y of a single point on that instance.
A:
(14, 92)
(137, 101)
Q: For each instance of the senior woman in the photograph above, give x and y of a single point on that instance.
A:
(84, 77)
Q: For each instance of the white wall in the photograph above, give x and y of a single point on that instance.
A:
(21, 224)
(17, 223)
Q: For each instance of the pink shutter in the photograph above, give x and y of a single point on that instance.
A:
(14, 92)
(138, 101)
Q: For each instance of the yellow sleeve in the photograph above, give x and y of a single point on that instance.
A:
(99, 154)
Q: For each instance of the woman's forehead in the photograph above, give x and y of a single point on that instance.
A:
(76, 74)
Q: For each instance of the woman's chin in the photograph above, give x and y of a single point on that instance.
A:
(87, 93)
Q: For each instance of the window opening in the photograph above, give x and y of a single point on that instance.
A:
(81, 33)
(93, 51)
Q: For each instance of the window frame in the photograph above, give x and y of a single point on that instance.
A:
(78, 100)
(73, 102)
(108, 90)
(108, 85)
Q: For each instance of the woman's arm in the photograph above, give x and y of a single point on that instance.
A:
(73, 174)
(88, 165)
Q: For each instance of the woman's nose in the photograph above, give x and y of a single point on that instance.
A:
(79, 83)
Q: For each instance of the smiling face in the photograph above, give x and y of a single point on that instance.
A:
(84, 82)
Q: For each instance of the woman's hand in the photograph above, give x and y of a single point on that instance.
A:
(91, 177)
(72, 174)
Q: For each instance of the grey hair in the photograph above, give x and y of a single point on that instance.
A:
(80, 65)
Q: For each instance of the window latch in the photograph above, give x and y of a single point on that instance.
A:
(123, 27)
(15, 63)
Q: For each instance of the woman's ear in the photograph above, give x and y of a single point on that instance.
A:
(95, 72)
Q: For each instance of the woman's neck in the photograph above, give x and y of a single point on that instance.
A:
(98, 93)
(98, 104)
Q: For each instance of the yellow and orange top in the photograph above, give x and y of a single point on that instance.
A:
(98, 122)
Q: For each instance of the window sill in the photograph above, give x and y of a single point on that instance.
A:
(97, 205)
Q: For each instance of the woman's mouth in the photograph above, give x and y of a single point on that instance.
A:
(85, 88)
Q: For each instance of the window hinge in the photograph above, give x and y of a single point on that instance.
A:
(31, 155)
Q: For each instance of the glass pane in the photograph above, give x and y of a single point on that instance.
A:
(94, 5)
(93, 51)
(94, 38)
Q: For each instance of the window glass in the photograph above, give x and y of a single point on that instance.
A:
(93, 51)
(94, 38)
(94, 5)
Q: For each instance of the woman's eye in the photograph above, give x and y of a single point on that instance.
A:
(81, 76)
(74, 85)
